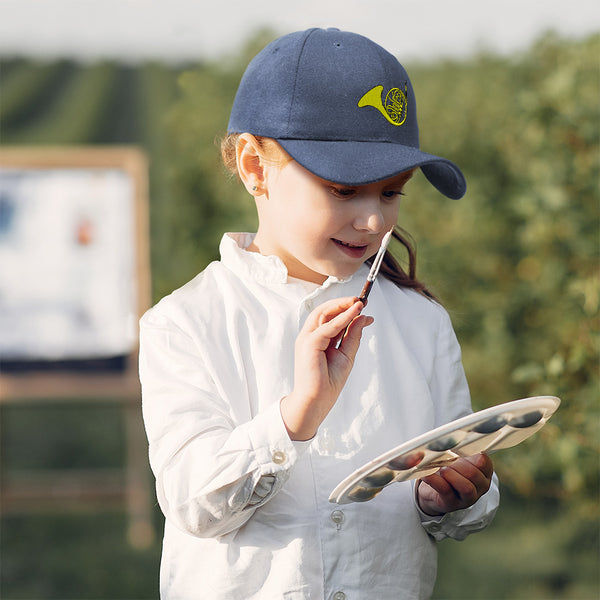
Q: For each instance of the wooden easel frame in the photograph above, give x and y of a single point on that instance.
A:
(49, 386)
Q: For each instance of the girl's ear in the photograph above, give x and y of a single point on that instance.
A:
(250, 164)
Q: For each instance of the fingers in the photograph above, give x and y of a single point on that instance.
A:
(483, 463)
(331, 310)
(329, 320)
(466, 478)
(458, 485)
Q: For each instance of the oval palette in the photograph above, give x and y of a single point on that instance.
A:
(488, 430)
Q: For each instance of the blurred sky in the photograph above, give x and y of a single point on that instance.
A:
(190, 29)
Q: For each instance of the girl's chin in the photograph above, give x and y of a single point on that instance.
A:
(320, 271)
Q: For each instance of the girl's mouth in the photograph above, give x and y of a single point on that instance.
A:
(352, 250)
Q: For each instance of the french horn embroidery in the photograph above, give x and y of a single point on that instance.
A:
(393, 107)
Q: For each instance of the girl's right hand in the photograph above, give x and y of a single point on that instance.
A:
(321, 369)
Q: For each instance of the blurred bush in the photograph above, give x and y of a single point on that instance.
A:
(517, 258)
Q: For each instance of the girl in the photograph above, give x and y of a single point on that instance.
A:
(250, 432)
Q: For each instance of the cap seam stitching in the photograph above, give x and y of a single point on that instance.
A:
(293, 95)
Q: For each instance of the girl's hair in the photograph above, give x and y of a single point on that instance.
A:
(390, 268)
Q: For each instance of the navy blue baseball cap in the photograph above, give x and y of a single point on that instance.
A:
(340, 105)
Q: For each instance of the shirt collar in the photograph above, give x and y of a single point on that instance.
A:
(267, 270)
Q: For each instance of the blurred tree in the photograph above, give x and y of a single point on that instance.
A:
(516, 260)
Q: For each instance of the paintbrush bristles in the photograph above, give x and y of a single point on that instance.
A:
(379, 257)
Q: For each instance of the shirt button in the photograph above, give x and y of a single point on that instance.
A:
(339, 596)
(337, 516)
(279, 457)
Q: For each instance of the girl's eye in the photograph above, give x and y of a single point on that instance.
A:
(343, 192)
(390, 194)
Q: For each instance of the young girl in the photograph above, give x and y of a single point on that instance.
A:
(257, 399)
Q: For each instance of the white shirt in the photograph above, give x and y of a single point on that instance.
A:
(247, 510)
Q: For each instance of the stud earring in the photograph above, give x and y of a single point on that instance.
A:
(254, 188)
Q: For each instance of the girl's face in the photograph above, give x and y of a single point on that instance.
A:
(319, 228)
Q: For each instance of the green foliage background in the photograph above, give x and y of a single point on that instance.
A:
(515, 262)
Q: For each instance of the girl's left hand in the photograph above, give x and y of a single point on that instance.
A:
(456, 486)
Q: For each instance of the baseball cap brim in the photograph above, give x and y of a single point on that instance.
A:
(360, 163)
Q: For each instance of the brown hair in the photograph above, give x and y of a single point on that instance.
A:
(390, 268)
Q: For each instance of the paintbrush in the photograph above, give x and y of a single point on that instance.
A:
(375, 267)
(372, 275)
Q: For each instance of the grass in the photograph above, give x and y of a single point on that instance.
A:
(75, 556)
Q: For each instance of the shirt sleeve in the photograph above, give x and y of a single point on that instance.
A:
(452, 399)
(211, 473)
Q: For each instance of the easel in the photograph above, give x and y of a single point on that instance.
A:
(25, 492)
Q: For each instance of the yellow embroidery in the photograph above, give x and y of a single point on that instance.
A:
(393, 108)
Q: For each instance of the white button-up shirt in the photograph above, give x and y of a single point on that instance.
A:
(247, 510)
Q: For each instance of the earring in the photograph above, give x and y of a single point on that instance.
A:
(254, 188)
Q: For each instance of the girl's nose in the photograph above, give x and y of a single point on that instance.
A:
(369, 217)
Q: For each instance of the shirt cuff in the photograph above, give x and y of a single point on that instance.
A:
(275, 452)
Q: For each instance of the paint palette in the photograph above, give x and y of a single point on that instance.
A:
(487, 430)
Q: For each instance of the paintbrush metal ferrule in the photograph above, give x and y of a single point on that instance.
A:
(365, 291)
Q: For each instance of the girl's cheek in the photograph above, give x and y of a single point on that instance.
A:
(394, 209)
(390, 218)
